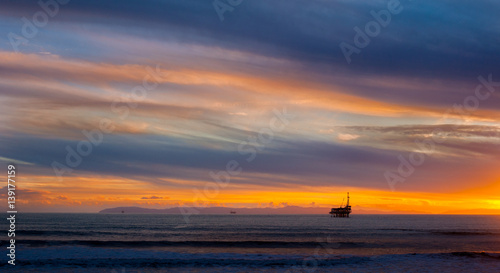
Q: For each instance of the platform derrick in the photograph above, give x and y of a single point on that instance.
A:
(341, 211)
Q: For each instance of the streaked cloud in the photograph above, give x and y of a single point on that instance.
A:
(217, 86)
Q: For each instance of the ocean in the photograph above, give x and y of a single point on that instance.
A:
(123, 243)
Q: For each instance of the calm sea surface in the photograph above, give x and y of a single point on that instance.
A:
(247, 241)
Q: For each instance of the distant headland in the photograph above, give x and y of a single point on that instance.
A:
(221, 210)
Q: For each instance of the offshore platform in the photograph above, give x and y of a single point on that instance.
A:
(341, 211)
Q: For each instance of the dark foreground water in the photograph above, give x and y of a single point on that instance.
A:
(254, 243)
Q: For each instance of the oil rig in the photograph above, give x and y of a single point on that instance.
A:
(341, 211)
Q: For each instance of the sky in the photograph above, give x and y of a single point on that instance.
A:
(255, 104)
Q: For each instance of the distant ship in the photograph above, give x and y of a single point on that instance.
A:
(341, 211)
(233, 212)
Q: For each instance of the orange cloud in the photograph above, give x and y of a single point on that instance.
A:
(50, 69)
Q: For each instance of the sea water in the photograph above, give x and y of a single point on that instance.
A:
(255, 243)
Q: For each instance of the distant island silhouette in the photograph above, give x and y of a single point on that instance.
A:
(221, 210)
